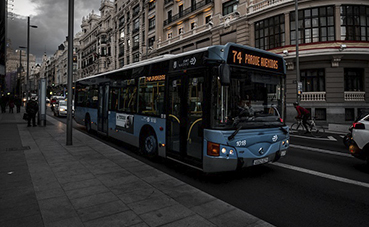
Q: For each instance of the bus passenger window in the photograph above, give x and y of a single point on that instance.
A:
(151, 96)
(113, 96)
(127, 97)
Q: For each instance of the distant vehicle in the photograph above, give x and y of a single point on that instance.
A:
(61, 108)
(54, 100)
(187, 107)
(360, 136)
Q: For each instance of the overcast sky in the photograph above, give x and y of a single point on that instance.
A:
(51, 19)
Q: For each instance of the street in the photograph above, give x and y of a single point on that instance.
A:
(318, 183)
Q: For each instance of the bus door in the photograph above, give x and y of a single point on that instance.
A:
(184, 119)
(102, 114)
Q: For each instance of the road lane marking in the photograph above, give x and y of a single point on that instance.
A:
(319, 174)
(329, 138)
(321, 150)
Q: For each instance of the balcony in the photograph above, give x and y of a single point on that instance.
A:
(187, 11)
(185, 35)
(319, 96)
(354, 96)
(261, 5)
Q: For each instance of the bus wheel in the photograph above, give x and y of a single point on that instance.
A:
(88, 124)
(149, 144)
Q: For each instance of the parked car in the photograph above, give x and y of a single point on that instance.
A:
(360, 136)
(60, 108)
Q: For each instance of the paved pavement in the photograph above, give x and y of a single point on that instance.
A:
(43, 182)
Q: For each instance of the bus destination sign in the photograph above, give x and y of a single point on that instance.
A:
(250, 58)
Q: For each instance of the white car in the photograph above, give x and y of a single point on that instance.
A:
(360, 136)
(60, 109)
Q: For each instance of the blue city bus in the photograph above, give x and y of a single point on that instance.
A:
(219, 108)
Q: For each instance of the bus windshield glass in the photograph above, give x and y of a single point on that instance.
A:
(253, 99)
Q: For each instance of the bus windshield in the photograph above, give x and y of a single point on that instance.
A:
(253, 99)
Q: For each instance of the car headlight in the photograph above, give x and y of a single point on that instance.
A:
(62, 109)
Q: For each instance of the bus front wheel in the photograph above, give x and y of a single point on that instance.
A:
(149, 144)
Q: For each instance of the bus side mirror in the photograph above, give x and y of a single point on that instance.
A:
(224, 74)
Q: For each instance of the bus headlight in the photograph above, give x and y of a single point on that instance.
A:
(224, 150)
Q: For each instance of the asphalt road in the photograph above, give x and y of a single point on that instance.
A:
(318, 183)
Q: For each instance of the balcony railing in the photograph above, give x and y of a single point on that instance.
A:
(314, 96)
(352, 96)
(254, 7)
(187, 11)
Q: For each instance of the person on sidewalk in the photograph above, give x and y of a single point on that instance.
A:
(32, 109)
(11, 105)
(303, 114)
(18, 103)
(3, 104)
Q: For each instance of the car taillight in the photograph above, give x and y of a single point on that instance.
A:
(358, 125)
(213, 149)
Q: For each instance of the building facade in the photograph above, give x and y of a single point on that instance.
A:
(333, 43)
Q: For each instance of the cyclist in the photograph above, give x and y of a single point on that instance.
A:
(302, 114)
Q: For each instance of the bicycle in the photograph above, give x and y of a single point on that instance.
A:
(314, 129)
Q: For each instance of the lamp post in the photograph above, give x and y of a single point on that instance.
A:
(20, 70)
(297, 52)
(28, 26)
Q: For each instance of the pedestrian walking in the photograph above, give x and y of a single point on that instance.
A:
(11, 105)
(32, 109)
(3, 104)
(18, 103)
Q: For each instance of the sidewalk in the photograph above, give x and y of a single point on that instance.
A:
(46, 183)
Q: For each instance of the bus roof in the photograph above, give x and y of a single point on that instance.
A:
(216, 52)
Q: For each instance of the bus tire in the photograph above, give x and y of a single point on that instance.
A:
(149, 144)
(88, 123)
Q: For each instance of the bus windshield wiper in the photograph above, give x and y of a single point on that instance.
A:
(234, 133)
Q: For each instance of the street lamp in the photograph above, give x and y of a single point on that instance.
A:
(20, 69)
(28, 26)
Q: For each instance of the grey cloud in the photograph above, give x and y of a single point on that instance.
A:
(51, 20)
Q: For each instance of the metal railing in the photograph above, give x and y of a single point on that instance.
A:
(187, 11)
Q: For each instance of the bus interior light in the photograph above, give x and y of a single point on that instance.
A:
(213, 149)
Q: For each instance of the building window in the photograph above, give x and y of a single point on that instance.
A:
(136, 57)
(180, 10)
(180, 31)
(354, 79)
(151, 41)
(193, 25)
(151, 23)
(313, 80)
(349, 114)
(170, 35)
(136, 42)
(315, 25)
(229, 7)
(207, 19)
(321, 114)
(355, 22)
(136, 10)
(169, 16)
(136, 25)
(270, 33)
(151, 5)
